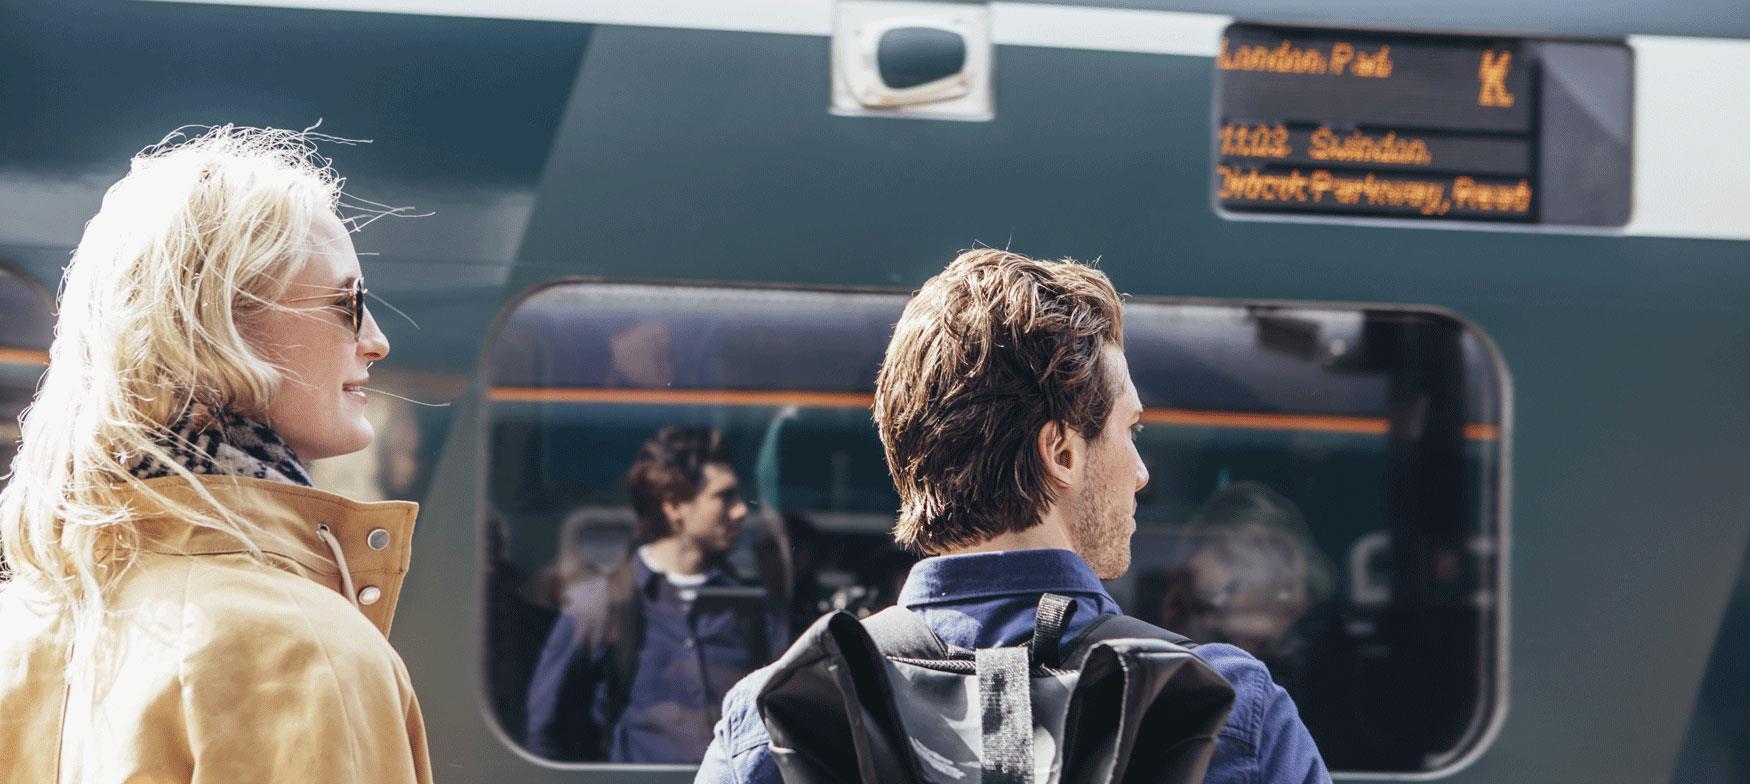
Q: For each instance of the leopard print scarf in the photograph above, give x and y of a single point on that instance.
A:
(205, 442)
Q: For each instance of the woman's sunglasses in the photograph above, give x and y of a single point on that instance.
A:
(355, 306)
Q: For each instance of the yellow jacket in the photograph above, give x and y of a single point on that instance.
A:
(214, 667)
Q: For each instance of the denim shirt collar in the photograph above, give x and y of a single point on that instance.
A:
(957, 578)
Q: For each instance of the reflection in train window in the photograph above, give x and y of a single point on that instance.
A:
(27, 324)
(1326, 493)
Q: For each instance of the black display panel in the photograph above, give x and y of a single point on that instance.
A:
(1419, 126)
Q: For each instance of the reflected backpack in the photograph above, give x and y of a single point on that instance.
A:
(884, 701)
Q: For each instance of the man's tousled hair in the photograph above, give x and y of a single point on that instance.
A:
(986, 354)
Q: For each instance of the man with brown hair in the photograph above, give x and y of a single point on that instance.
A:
(1008, 417)
(635, 666)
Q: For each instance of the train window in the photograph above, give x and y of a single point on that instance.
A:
(1326, 492)
(27, 324)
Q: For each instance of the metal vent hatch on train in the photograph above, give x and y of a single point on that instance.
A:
(912, 59)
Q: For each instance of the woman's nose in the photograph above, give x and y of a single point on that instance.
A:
(373, 344)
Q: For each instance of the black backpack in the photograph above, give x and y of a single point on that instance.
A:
(884, 701)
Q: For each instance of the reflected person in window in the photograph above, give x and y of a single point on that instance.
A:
(636, 666)
(1251, 577)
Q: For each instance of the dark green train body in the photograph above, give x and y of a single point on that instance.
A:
(1518, 450)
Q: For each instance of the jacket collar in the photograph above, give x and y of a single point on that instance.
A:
(375, 538)
(948, 579)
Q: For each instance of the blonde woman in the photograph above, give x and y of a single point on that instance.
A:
(183, 606)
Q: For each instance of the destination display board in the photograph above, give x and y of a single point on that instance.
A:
(1368, 123)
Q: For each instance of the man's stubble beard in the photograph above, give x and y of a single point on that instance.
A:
(1100, 530)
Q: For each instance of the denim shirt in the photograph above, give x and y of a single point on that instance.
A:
(693, 652)
(989, 599)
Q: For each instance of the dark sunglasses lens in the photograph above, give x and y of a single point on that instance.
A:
(358, 307)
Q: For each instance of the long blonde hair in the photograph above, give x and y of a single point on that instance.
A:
(202, 233)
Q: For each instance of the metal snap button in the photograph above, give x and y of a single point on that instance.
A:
(378, 538)
(370, 594)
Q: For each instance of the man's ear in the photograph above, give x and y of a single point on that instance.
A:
(1060, 450)
(671, 514)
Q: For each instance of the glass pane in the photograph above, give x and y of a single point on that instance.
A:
(1325, 493)
(27, 325)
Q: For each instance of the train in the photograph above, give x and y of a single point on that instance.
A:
(1501, 446)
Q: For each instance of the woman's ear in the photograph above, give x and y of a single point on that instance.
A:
(1060, 451)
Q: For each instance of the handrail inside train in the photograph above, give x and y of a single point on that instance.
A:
(1175, 417)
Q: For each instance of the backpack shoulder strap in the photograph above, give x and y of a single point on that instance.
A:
(756, 633)
(1049, 624)
(625, 636)
(899, 632)
(1118, 627)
